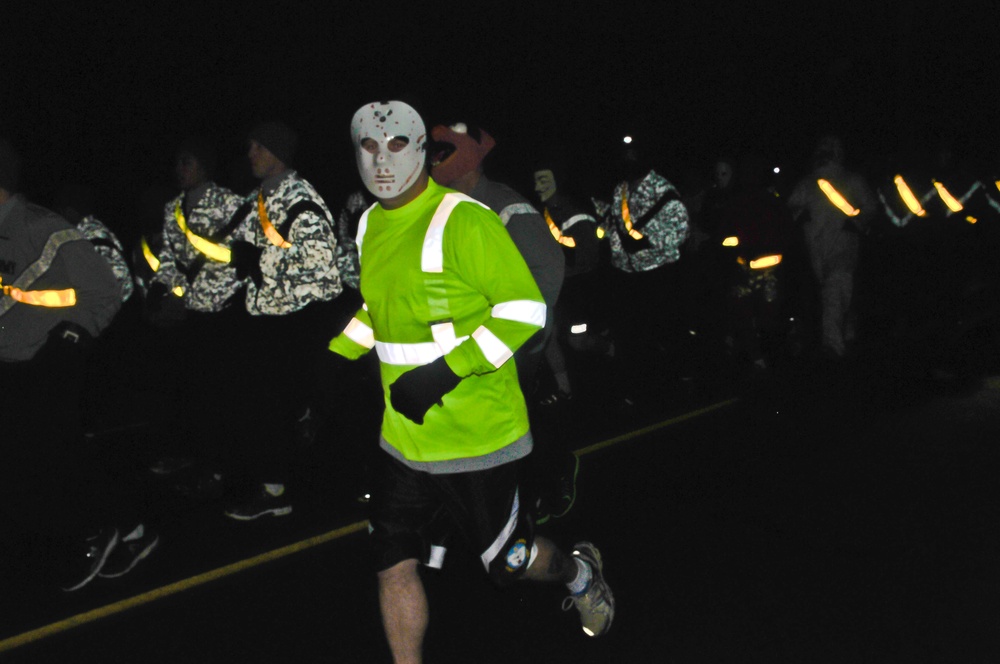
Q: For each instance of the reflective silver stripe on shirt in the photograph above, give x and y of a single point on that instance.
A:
(432, 255)
(521, 311)
(362, 227)
(408, 354)
(515, 208)
(574, 219)
(360, 333)
(496, 351)
(491, 553)
(444, 336)
(42, 265)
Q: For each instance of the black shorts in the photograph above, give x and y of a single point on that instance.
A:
(412, 510)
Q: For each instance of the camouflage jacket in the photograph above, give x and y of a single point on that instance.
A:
(347, 247)
(656, 227)
(208, 284)
(110, 248)
(305, 271)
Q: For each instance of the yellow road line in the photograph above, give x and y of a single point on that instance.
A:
(191, 582)
(185, 584)
(653, 427)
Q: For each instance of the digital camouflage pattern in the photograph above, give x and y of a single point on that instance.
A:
(657, 213)
(347, 246)
(107, 244)
(208, 285)
(302, 273)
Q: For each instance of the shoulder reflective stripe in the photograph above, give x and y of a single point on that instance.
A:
(496, 351)
(362, 227)
(522, 311)
(575, 219)
(432, 256)
(42, 298)
(489, 554)
(42, 265)
(444, 336)
(360, 333)
(409, 354)
(516, 208)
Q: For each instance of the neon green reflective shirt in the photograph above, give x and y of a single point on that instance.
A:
(480, 268)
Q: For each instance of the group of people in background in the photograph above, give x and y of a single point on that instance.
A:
(468, 290)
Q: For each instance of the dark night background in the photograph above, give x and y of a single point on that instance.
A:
(102, 93)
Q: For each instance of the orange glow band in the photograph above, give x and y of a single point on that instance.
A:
(907, 195)
(765, 262)
(949, 200)
(270, 232)
(627, 218)
(564, 240)
(837, 199)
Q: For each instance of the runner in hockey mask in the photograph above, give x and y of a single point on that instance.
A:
(390, 141)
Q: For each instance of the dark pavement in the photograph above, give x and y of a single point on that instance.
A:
(824, 514)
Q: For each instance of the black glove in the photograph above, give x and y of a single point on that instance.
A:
(417, 390)
(154, 296)
(245, 259)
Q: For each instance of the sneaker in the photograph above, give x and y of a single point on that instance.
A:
(261, 504)
(135, 546)
(566, 492)
(596, 605)
(91, 558)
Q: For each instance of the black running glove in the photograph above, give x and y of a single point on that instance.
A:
(245, 259)
(417, 390)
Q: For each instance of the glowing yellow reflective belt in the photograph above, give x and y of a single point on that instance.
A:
(627, 218)
(953, 204)
(765, 261)
(564, 240)
(837, 199)
(214, 251)
(151, 258)
(272, 234)
(907, 195)
(41, 298)
(154, 263)
(731, 241)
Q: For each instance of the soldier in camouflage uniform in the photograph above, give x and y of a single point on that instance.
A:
(285, 251)
(347, 247)
(206, 211)
(74, 203)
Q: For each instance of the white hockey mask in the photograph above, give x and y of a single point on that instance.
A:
(386, 173)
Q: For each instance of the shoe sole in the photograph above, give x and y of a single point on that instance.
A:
(277, 511)
(112, 543)
(135, 561)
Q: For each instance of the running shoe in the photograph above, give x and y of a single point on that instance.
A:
(132, 548)
(596, 604)
(88, 559)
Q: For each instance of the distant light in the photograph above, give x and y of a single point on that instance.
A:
(627, 140)
(777, 169)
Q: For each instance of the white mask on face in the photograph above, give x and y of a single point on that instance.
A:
(385, 173)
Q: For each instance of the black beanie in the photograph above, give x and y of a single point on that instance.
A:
(203, 149)
(278, 138)
(10, 166)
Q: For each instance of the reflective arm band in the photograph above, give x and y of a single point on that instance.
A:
(731, 241)
(360, 334)
(837, 199)
(42, 298)
(521, 311)
(496, 351)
